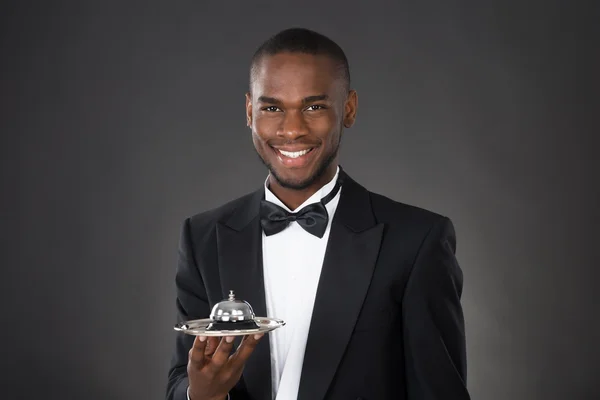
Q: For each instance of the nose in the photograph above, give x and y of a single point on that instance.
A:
(292, 126)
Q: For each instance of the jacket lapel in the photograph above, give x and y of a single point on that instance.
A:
(239, 242)
(350, 258)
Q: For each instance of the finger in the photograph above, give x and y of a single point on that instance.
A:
(245, 350)
(221, 355)
(196, 354)
(211, 345)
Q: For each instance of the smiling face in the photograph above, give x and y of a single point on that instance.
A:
(297, 109)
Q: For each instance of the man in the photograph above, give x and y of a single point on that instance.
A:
(369, 287)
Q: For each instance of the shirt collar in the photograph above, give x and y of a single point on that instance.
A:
(315, 198)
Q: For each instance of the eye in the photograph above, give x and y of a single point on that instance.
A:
(315, 107)
(271, 109)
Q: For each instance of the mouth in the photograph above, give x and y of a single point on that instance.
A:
(296, 158)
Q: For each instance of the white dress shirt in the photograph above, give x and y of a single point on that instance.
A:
(292, 261)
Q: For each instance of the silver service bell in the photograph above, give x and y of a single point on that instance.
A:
(232, 314)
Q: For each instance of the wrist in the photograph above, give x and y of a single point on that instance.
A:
(191, 396)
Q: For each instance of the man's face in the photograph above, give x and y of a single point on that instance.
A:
(297, 108)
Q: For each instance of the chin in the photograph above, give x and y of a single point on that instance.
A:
(289, 180)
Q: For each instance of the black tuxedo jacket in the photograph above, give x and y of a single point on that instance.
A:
(387, 321)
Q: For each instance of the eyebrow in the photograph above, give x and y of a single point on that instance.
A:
(309, 99)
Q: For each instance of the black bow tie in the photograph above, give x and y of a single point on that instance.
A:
(313, 218)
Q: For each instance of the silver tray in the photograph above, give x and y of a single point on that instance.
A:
(197, 327)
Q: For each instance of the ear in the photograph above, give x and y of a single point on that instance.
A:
(248, 109)
(350, 109)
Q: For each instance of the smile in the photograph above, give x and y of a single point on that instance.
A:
(294, 154)
(297, 158)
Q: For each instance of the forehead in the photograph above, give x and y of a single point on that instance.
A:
(295, 75)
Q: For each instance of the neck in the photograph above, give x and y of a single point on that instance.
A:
(293, 198)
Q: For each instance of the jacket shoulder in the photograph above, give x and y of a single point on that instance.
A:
(203, 223)
(411, 224)
(394, 212)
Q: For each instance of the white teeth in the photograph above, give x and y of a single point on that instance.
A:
(294, 154)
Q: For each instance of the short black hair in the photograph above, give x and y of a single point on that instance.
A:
(301, 40)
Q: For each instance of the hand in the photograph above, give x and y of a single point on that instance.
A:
(212, 370)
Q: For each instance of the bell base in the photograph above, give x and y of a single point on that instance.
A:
(231, 326)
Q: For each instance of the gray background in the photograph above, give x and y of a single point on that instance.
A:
(118, 121)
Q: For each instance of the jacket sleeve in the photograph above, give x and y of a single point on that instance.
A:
(191, 303)
(434, 333)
